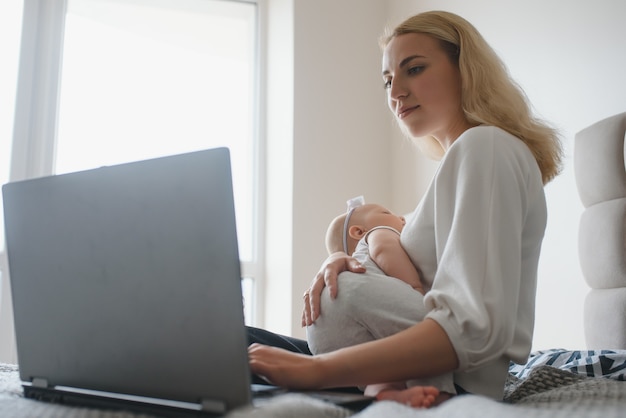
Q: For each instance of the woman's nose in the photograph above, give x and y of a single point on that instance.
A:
(397, 90)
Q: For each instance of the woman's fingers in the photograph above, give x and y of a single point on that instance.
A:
(306, 311)
(283, 368)
(315, 295)
(326, 277)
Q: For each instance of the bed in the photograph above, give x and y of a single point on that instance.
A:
(554, 383)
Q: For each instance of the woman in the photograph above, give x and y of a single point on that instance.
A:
(476, 234)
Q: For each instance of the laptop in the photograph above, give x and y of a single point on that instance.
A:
(126, 288)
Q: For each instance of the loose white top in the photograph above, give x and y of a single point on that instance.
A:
(476, 235)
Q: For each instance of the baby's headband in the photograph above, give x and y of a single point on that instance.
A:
(353, 203)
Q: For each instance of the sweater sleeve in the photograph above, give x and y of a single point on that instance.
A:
(481, 202)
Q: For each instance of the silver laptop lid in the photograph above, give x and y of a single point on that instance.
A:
(126, 279)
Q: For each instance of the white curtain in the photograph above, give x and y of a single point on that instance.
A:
(35, 122)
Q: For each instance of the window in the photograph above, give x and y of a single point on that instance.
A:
(142, 79)
(139, 79)
(10, 26)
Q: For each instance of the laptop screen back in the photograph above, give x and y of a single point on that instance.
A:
(126, 279)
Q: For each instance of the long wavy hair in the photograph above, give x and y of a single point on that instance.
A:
(488, 93)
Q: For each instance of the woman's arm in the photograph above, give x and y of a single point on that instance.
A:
(327, 276)
(387, 252)
(420, 351)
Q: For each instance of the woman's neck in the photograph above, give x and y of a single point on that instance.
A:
(452, 133)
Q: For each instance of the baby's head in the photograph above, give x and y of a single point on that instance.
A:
(354, 224)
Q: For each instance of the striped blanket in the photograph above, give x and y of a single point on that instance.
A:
(592, 363)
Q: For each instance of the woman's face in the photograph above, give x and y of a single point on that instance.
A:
(423, 87)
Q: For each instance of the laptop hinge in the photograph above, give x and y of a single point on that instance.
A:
(214, 406)
(39, 382)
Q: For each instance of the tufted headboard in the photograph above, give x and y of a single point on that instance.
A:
(599, 154)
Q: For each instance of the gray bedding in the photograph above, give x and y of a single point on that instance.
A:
(545, 391)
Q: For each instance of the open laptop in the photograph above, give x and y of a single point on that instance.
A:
(126, 287)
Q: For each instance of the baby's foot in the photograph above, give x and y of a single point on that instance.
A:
(416, 396)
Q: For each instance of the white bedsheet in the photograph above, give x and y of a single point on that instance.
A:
(547, 392)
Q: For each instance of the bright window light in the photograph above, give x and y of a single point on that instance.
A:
(142, 79)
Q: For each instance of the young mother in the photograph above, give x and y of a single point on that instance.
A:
(476, 234)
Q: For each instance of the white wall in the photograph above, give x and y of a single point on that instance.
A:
(331, 89)
(568, 56)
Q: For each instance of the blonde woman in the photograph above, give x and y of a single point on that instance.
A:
(476, 234)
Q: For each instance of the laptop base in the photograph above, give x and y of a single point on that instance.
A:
(261, 394)
(71, 398)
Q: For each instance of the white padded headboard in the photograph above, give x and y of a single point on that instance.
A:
(599, 156)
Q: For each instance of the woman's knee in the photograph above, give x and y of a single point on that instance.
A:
(367, 307)
(336, 326)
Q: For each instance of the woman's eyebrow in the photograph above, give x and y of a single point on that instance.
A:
(404, 62)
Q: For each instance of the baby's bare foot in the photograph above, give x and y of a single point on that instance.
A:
(416, 396)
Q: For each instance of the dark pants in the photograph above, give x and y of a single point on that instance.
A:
(261, 336)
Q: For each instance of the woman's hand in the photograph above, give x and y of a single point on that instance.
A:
(285, 368)
(327, 276)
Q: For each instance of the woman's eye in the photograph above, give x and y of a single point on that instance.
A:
(416, 70)
(387, 84)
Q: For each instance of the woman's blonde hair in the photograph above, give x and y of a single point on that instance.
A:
(488, 93)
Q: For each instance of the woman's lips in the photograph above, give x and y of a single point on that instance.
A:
(405, 111)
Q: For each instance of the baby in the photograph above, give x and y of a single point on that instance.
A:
(371, 234)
